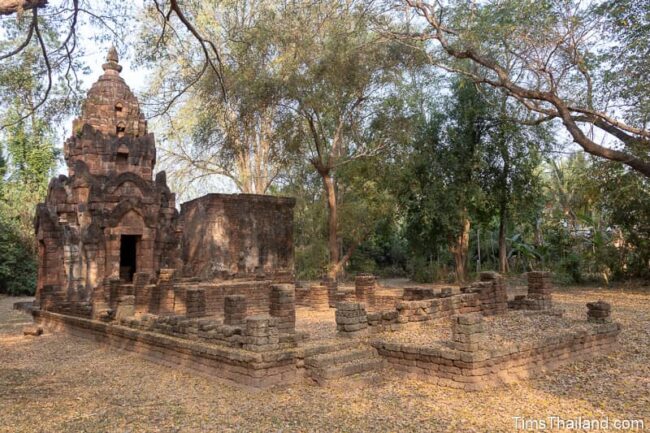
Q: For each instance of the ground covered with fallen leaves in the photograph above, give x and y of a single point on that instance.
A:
(59, 383)
(500, 331)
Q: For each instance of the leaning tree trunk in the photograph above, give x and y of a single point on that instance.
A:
(337, 268)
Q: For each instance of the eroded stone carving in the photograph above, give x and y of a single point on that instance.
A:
(108, 218)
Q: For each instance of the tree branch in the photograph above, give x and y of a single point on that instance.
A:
(48, 66)
(26, 41)
(530, 97)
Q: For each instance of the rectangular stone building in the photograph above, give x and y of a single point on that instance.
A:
(238, 236)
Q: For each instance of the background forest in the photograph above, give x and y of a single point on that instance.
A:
(428, 141)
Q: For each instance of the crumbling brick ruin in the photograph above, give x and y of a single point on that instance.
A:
(469, 362)
(539, 296)
(212, 288)
(109, 218)
(110, 235)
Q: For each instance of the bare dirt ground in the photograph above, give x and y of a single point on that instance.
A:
(59, 383)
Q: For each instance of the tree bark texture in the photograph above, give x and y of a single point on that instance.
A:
(459, 247)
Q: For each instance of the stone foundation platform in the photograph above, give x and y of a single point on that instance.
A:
(254, 369)
(474, 370)
(251, 333)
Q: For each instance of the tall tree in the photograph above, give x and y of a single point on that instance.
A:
(470, 164)
(338, 78)
(548, 56)
(442, 188)
(627, 69)
(228, 124)
(513, 157)
(28, 162)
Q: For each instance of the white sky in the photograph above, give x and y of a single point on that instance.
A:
(137, 79)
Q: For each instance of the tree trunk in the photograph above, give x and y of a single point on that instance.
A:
(332, 223)
(459, 248)
(336, 268)
(503, 253)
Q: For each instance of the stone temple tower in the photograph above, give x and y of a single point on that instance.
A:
(107, 219)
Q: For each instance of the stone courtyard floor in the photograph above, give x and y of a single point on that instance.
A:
(59, 383)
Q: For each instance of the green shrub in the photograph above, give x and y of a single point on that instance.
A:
(570, 268)
(17, 262)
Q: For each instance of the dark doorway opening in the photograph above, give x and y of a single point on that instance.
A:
(122, 158)
(128, 256)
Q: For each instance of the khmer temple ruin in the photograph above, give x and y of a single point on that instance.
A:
(109, 228)
(211, 288)
(109, 218)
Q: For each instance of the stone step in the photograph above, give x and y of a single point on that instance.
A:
(11, 325)
(329, 348)
(330, 359)
(18, 320)
(350, 368)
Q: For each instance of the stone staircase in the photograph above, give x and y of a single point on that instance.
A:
(342, 359)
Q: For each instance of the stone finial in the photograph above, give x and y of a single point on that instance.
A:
(112, 55)
(112, 60)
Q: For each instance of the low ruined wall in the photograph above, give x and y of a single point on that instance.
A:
(208, 330)
(413, 311)
(197, 299)
(258, 368)
(492, 293)
(383, 302)
(257, 293)
(476, 370)
(438, 308)
(383, 321)
(386, 312)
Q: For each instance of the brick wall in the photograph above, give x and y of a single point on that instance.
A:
(438, 308)
(238, 235)
(196, 351)
(257, 293)
(478, 369)
(492, 293)
(539, 296)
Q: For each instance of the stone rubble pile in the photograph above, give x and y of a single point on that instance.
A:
(599, 312)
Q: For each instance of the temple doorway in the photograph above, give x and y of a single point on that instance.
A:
(128, 256)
